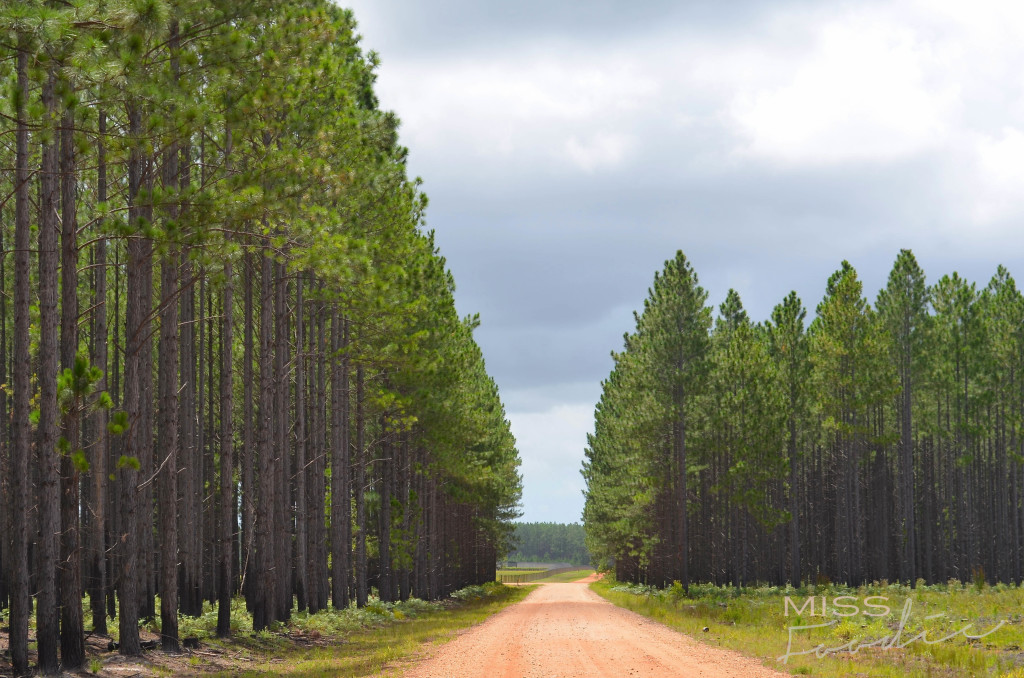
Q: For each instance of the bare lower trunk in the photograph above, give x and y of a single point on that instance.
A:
(341, 541)
(137, 328)
(360, 490)
(386, 465)
(263, 593)
(72, 635)
(684, 557)
(248, 460)
(318, 486)
(794, 509)
(169, 425)
(227, 470)
(282, 495)
(147, 467)
(187, 446)
(301, 531)
(97, 566)
(168, 429)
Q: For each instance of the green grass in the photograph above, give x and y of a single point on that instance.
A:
(384, 649)
(753, 622)
(565, 576)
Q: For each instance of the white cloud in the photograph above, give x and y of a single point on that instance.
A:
(599, 151)
(999, 177)
(864, 93)
(520, 108)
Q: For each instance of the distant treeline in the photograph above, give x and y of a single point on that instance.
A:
(877, 442)
(550, 543)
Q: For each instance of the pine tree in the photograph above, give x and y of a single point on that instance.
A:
(788, 347)
(903, 309)
(674, 334)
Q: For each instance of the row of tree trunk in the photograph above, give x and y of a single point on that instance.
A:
(878, 444)
(232, 360)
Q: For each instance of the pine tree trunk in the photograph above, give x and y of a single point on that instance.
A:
(301, 526)
(248, 460)
(168, 384)
(5, 433)
(318, 485)
(341, 540)
(168, 428)
(263, 594)
(680, 439)
(227, 449)
(147, 467)
(190, 544)
(72, 634)
(282, 512)
(384, 541)
(147, 517)
(404, 486)
(47, 623)
(208, 540)
(434, 543)
(198, 467)
(136, 330)
(188, 447)
(20, 427)
(115, 444)
(906, 475)
(360, 491)
(794, 506)
(98, 466)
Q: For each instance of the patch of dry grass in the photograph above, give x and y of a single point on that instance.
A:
(754, 622)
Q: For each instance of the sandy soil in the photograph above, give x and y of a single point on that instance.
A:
(568, 630)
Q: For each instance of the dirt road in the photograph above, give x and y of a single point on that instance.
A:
(568, 630)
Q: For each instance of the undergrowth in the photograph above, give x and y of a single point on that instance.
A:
(757, 621)
(349, 642)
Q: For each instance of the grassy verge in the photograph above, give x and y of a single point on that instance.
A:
(564, 577)
(754, 622)
(387, 647)
(379, 639)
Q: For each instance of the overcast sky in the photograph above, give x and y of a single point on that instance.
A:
(570, 148)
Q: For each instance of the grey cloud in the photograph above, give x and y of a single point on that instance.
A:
(556, 259)
(451, 26)
(541, 398)
(564, 260)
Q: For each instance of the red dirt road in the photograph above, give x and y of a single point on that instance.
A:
(568, 630)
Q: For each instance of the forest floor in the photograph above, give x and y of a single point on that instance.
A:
(970, 630)
(380, 639)
(566, 630)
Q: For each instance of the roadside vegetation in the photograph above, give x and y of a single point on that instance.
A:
(382, 636)
(753, 621)
(384, 644)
